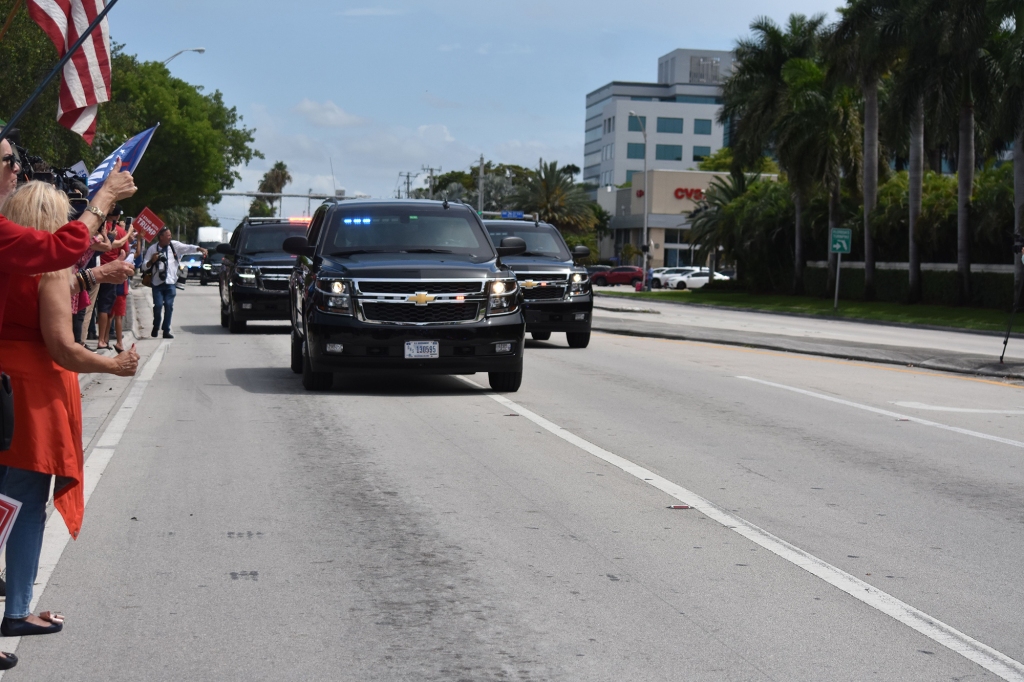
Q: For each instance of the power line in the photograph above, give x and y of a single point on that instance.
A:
(431, 171)
(409, 177)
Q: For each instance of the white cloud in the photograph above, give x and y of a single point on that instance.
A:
(435, 132)
(370, 12)
(326, 114)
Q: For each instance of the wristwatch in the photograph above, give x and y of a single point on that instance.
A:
(96, 212)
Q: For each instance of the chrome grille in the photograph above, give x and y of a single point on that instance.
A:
(555, 277)
(414, 314)
(411, 287)
(544, 293)
(274, 284)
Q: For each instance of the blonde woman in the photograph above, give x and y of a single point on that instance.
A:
(39, 352)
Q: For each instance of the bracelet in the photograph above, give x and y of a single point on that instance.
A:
(81, 281)
(98, 213)
(90, 277)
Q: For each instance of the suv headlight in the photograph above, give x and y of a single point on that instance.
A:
(334, 296)
(245, 276)
(579, 284)
(502, 296)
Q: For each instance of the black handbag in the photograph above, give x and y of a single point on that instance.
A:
(6, 413)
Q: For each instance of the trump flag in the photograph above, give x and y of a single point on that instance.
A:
(130, 154)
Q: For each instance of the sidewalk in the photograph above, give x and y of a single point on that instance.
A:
(949, 351)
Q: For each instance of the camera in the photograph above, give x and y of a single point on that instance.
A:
(64, 179)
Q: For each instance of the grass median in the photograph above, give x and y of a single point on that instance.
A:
(980, 319)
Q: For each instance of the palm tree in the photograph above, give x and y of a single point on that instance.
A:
(1012, 110)
(551, 194)
(861, 54)
(273, 182)
(710, 227)
(821, 127)
(754, 98)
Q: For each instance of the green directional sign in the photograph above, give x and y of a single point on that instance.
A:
(840, 240)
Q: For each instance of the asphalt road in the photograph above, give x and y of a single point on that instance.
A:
(421, 529)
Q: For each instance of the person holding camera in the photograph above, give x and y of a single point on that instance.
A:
(162, 258)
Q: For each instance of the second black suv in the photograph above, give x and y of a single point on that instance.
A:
(255, 269)
(556, 291)
(406, 286)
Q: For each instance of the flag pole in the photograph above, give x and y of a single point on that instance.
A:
(57, 69)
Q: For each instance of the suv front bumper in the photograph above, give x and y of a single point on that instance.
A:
(560, 316)
(463, 348)
(255, 304)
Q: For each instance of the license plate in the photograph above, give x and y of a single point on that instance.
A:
(422, 350)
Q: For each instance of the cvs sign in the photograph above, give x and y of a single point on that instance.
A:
(695, 194)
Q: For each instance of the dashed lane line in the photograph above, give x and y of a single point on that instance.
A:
(56, 536)
(932, 628)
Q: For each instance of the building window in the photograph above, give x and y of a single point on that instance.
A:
(606, 178)
(701, 153)
(592, 171)
(635, 150)
(609, 126)
(698, 99)
(637, 124)
(630, 174)
(673, 237)
(702, 126)
(670, 125)
(642, 99)
(594, 134)
(706, 70)
(668, 152)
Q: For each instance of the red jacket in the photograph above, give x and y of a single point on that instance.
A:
(25, 251)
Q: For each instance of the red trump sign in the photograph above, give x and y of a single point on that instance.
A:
(147, 224)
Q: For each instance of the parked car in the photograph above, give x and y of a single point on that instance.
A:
(661, 275)
(693, 280)
(591, 269)
(625, 274)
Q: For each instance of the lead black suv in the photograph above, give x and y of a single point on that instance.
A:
(556, 291)
(255, 269)
(407, 286)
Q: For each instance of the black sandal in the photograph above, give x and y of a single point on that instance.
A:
(118, 349)
(20, 627)
(8, 661)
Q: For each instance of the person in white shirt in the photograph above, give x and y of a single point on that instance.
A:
(163, 257)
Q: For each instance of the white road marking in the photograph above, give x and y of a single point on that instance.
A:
(56, 536)
(887, 413)
(932, 628)
(939, 408)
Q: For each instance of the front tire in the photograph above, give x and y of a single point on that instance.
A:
(655, 283)
(235, 326)
(540, 336)
(505, 382)
(314, 381)
(634, 282)
(680, 286)
(203, 282)
(578, 339)
(601, 282)
(296, 363)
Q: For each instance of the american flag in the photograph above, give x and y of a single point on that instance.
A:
(86, 82)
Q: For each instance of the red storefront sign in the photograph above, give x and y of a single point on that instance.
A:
(147, 224)
(695, 194)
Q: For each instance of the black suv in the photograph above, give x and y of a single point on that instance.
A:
(255, 269)
(408, 286)
(556, 291)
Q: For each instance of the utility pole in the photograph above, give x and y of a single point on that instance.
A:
(408, 182)
(480, 189)
(431, 171)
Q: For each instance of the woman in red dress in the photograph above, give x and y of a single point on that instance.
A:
(39, 352)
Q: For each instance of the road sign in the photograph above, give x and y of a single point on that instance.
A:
(840, 240)
(513, 215)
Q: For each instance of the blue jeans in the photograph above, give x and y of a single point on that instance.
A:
(25, 542)
(163, 300)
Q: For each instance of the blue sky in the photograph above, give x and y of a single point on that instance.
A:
(386, 87)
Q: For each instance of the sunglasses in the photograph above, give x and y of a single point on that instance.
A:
(11, 160)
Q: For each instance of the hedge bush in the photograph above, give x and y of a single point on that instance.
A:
(988, 289)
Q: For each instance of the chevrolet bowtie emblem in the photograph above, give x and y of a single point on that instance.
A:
(530, 284)
(420, 298)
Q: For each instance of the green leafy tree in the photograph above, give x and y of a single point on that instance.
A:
(722, 161)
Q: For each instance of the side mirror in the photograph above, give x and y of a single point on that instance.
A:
(298, 246)
(224, 249)
(580, 252)
(511, 246)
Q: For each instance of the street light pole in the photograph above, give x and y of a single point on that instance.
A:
(200, 50)
(644, 249)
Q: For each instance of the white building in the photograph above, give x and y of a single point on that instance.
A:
(679, 113)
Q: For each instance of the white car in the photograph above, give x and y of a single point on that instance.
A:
(693, 280)
(660, 276)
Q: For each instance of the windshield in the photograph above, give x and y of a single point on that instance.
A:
(406, 229)
(541, 240)
(269, 238)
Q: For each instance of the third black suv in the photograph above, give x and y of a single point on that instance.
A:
(406, 286)
(556, 291)
(255, 269)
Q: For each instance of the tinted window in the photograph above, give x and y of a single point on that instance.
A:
(406, 229)
(541, 240)
(268, 238)
(623, 269)
(670, 125)
(702, 126)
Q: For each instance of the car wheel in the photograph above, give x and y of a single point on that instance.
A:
(601, 282)
(540, 336)
(634, 282)
(578, 339)
(223, 316)
(505, 382)
(203, 282)
(296, 364)
(235, 326)
(680, 285)
(655, 283)
(314, 381)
